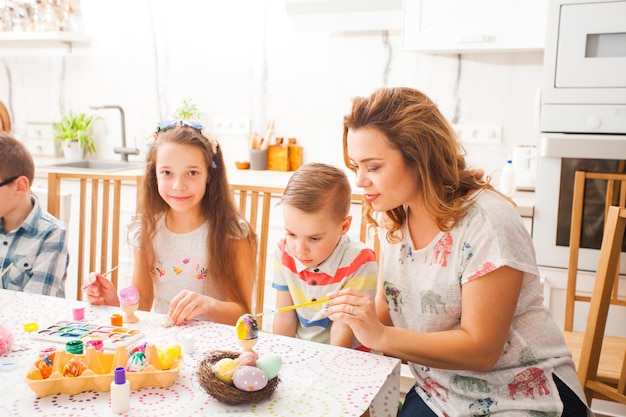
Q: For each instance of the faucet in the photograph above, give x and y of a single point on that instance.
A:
(124, 150)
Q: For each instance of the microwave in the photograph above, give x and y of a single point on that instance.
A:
(584, 87)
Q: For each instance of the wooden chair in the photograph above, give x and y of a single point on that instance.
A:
(590, 356)
(98, 232)
(615, 195)
(612, 351)
(254, 203)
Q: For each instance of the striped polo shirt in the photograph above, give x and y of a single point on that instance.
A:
(351, 265)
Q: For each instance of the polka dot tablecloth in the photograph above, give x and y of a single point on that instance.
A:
(316, 379)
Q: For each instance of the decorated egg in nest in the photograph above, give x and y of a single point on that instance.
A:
(249, 378)
(270, 364)
(224, 369)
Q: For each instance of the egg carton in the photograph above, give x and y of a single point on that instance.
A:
(100, 372)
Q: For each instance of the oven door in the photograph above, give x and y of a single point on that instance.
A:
(559, 156)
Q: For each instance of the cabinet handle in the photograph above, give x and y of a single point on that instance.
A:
(474, 38)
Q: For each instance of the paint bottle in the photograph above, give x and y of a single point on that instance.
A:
(507, 180)
(120, 392)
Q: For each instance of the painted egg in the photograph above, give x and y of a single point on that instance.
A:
(247, 358)
(168, 354)
(137, 362)
(270, 364)
(249, 378)
(129, 296)
(74, 367)
(224, 370)
(45, 367)
(247, 327)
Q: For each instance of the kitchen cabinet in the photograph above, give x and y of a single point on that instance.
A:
(32, 43)
(344, 15)
(462, 26)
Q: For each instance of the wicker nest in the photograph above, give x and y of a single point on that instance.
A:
(225, 393)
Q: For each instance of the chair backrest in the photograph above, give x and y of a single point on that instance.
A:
(608, 268)
(99, 226)
(615, 196)
(255, 203)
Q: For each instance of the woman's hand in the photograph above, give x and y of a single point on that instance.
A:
(356, 309)
(188, 305)
(100, 290)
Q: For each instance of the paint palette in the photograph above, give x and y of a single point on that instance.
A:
(64, 331)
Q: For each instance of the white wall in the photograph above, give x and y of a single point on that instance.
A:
(240, 59)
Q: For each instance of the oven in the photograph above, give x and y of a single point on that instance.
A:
(583, 123)
(560, 155)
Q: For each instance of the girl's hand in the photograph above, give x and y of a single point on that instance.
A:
(100, 290)
(186, 306)
(356, 309)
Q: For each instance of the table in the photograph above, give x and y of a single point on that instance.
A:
(316, 379)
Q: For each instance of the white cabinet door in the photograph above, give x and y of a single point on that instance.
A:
(457, 26)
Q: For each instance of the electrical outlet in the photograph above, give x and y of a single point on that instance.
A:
(489, 134)
(231, 127)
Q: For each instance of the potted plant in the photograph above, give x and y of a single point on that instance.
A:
(187, 111)
(73, 131)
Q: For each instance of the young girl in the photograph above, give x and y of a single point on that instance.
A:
(194, 254)
(458, 291)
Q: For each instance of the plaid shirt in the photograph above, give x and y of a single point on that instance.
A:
(37, 252)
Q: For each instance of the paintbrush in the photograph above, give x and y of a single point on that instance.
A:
(288, 308)
(5, 270)
(104, 275)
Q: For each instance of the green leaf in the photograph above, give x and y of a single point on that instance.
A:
(76, 127)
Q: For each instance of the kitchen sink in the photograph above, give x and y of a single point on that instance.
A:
(96, 165)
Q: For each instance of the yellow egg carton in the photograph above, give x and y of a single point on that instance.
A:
(99, 373)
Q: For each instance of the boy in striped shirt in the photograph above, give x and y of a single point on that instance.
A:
(316, 256)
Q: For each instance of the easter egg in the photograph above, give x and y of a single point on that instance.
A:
(246, 358)
(247, 327)
(137, 362)
(249, 378)
(129, 296)
(44, 367)
(270, 364)
(74, 367)
(224, 370)
(168, 354)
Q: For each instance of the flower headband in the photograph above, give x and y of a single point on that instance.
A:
(169, 124)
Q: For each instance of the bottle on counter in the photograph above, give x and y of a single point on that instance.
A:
(120, 391)
(507, 178)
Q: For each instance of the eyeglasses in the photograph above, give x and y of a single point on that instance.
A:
(7, 181)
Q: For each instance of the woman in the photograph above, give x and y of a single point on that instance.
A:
(458, 293)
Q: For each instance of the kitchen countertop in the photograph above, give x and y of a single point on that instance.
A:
(525, 200)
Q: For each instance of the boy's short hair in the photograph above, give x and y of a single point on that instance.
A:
(315, 187)
(15, 159)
